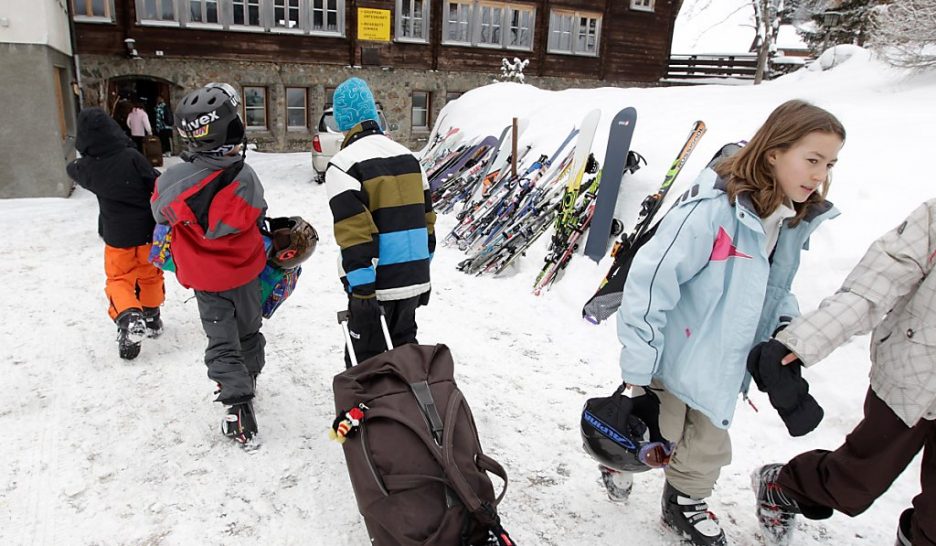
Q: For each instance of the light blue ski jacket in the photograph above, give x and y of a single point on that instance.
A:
(702, 291)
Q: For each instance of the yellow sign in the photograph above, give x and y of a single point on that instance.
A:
(373, 24)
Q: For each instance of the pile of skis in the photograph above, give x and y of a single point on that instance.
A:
(510, 212)
(501, 214)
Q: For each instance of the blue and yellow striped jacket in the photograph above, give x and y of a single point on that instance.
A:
(384, 223)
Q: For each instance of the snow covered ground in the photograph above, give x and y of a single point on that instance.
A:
(103, 451)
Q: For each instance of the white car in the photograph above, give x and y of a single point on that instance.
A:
(327, 141)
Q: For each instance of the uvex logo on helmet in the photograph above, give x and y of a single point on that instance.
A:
(204, 120)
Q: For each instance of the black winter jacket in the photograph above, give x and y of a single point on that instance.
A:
(120, 177)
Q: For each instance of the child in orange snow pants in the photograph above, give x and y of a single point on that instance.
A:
(132, 282)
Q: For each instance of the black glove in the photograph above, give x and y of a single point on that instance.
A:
(424, 298)
(785, 386)
(362, 306)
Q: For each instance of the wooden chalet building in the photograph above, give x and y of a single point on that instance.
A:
(287, 56)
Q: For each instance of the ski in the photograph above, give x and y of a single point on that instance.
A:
(607, 298)
(570, 197)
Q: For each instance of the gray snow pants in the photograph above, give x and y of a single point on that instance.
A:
(231, 320)
(702, 449)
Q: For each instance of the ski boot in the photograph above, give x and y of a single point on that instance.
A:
(240, 423)
(904, 538)
(691, 518)
(131, 329)
(154, 324)
(618, 484)
(775, 511)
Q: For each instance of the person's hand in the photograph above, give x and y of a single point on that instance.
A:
(789, 359)
(363, 305)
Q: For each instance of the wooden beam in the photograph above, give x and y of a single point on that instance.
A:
(603, 46)
(542, 29)
(351, 25)
(435, 30)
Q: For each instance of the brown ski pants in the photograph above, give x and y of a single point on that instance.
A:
(853, 476)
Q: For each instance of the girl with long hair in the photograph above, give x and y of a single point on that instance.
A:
(713, 281)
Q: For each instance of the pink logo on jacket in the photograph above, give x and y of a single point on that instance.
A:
(723, 249)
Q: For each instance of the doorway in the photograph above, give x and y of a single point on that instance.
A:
(123, 92)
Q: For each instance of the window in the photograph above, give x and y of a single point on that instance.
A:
(420, 114)
(93, 10)
(642, 5)
(286, 13)
(203, 11)
(412, 21)
(329, 96)
(457, 22)
(255, 107)
(156, 10)
(574, 32)
(586, 36)
(296, 108)
(488, 24)
(491, 17)
(247, 12)
(520, 27)
(328, 16)
(452, 95)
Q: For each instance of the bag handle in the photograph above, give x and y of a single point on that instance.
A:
(345, 316)
(478, 508)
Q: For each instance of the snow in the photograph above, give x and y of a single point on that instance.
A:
(714, 26)
(788, 38)
(837, 55)
(103, 451)
(723, 27)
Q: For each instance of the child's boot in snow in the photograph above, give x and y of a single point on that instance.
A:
(240, 423)
(776, 511)
(131, 329)
(691, 518)
(154, 324)
(617, 483)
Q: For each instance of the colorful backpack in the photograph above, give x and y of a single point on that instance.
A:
(160, 254)
(276, 285)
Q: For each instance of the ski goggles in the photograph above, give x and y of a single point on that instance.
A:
(655, 454)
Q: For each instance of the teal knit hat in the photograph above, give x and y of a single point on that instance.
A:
(353, 104)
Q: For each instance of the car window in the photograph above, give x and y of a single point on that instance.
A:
(327, 123)
(383, 121)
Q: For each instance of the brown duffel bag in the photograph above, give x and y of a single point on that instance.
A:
(413, 454)
(152, 150)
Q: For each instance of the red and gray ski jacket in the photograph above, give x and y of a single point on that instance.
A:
(214, 206)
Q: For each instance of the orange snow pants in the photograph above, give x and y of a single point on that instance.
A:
(132, 282)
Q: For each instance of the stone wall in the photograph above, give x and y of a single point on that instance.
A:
(33, 150)
(392, 88)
